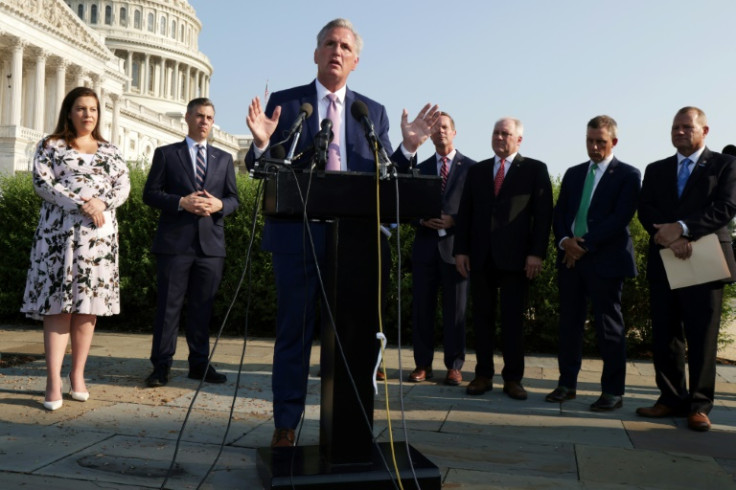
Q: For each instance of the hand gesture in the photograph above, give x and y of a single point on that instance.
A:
(261, 127)
(416, 132)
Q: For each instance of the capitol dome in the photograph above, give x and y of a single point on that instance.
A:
(140, 56)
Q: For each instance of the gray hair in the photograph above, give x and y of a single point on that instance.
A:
(517, 124)
(345, 23)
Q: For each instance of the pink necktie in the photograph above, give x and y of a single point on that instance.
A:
(499, 177)
(443, 173)
(333, 150)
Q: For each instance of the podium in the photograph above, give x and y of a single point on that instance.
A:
(346, 456)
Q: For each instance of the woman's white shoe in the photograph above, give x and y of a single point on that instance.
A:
(54, 405)
(80, 396)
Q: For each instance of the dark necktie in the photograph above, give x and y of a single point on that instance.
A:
(443, 173)
(201, 167)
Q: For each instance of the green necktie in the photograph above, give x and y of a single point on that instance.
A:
(581, 219)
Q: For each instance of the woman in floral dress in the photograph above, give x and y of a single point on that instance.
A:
(73, 277)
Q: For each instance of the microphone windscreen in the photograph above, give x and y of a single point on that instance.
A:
(307, 109)
(359, 110)
(278, 152)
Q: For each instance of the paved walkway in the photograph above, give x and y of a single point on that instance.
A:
(124, 437)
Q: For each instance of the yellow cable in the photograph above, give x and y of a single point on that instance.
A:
(380, 317)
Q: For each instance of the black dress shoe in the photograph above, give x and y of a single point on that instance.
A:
(159, 377)
(607, 402)
(560, 394)
(211, 376)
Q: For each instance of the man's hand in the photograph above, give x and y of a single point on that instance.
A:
(533, 266)
(682, 248)
(93, 208)
(573, 251)
(462, 264)
(201, 203)
(261, 127)
(442, 223)
(667, 233)
(416, 132)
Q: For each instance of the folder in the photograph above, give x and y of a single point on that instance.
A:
(706, 264)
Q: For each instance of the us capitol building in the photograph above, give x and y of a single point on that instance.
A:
(140, 56)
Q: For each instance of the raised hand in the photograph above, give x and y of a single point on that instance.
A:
(261, 126)
(416, 132)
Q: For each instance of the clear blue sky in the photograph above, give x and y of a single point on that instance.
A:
(554, 64)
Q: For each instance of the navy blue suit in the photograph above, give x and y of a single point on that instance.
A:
(599, 274)
(433, 266)
(190, 249)
(293, 263)
(692, 314)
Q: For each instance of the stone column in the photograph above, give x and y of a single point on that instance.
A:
(114, 137)
(15, 81)
(129, 64)
(146, 74)
(187, 84)
(176, 82)
(39, 102)
(60, 90)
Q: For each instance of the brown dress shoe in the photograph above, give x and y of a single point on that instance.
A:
(698, 421)
(420, 374)
(380, 376)
(282, 438)
(514, 390)
(479, 385)
(656, 412)
(561, 394)
(454, 377)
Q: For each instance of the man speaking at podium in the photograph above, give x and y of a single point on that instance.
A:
(327, 97)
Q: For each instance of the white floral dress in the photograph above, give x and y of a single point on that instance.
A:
(74, 265)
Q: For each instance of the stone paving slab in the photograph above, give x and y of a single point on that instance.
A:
(144, 462)
(654, 469)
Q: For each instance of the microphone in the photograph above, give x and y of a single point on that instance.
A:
(278, 152)
(322, 142)
(360, 112)
(304, 112)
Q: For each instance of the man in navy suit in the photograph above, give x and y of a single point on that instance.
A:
(683, 198)
(597, 200)
(193, 185)
(336, 56)
(433, 265)
(502, 231)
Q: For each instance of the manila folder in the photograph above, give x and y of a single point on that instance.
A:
(706, 264)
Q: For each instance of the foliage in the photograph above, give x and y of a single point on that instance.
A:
(19, 208)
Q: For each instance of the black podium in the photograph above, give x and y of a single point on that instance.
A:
(346, 456)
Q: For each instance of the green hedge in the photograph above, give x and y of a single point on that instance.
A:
(19, 207)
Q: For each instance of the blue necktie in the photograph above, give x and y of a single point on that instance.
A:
(683, 175)
(201, 167)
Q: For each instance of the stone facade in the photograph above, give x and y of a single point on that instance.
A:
(140, 56)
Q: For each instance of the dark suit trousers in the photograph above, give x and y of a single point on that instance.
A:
(297, 290)
(489, 287)
(195, 277)
(426, 280)
(691, 315)
(576, 286)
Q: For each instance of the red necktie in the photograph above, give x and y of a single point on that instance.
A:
(499, 177)
(443, 173)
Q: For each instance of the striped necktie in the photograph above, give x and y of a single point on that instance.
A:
(201, 167)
